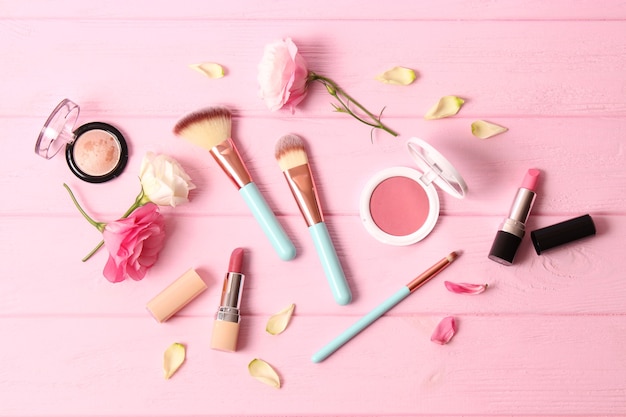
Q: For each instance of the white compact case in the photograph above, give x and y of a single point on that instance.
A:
(434, 169)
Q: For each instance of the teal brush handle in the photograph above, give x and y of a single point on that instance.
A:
(360, 325)
(266, 218)
(330, 263)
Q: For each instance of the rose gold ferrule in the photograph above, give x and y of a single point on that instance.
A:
(303, 188)
(428, 274)
(227, 156)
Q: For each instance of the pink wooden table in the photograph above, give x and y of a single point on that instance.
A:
(548, 336)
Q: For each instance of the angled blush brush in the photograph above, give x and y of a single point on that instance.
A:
(293, 161)
(211, 130)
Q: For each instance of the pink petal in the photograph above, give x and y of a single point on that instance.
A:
(465, 288)
(444, 331)
(134, 243)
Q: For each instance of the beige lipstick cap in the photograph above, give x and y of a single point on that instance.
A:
(225, 335)
(176, 296)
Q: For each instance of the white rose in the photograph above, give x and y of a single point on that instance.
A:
(164, 181)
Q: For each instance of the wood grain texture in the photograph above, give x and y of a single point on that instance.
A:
(546, 338)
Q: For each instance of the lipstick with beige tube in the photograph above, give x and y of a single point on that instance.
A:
(226, 324)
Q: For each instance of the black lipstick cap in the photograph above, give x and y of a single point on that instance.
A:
(504, 247)
(562, 233)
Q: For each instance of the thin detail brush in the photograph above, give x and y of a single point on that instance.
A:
(293, 161)
(382, 308)
(211, 130)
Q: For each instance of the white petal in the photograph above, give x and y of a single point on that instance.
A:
(279, 321)
(447, 106)
(263, 371)
(397, 76)
(210, 69)
(172, 359)
(483, 130)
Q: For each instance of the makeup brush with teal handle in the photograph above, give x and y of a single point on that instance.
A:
(211, 129)
(293, 161)
(268, 222)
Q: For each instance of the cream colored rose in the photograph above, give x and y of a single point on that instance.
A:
(164, 181)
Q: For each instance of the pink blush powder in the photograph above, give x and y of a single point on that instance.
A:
(399, 206)
(96, 152)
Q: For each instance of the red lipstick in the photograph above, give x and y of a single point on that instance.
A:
(512, 229)
(226, 324)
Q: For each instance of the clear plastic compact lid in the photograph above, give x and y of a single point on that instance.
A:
(436, 168)
(58, 130)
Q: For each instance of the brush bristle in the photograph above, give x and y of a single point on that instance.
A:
(206, 128)
(290, 152)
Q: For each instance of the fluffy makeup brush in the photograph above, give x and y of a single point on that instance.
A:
(293, 161)
(211, 130)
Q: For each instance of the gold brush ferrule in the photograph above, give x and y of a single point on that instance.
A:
(227, 156)
(302, 187)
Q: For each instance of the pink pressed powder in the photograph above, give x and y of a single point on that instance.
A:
(399, 206)
(96, 152)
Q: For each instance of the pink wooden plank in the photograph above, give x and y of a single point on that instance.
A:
(48, 278)
(545, 339)
(567, 68)
(582, 160)
(343, 159)
(494, 366)
(325, 9)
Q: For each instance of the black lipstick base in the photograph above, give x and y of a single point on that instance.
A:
(504, 248)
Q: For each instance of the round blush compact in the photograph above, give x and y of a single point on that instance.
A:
(95, 152)
(400, 205)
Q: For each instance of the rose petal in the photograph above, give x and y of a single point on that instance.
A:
(465, 288)
(279, 321)
(210, 69)
(444, 331)
(397, 76)
(263, 371)
(483, 130)
(172, 359)
(447, 106)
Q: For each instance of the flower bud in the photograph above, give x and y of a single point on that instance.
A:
(331, 89)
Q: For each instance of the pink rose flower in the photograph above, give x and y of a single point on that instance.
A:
(134, 243)
(282, 75)
(284, 78)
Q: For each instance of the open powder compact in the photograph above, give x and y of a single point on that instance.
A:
(95, 152)
(400, 205)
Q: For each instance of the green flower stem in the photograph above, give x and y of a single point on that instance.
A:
(140, 200)
(345, 99)
(98, 225)
(93, 251)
